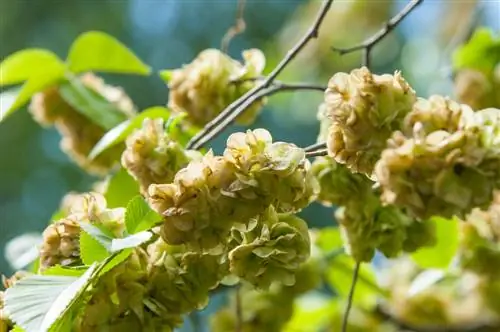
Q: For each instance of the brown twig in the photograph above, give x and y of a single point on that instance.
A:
(350, 297)
(369, 43)
(315, 147)
(317, 153)
(226, 117)
(238, 27)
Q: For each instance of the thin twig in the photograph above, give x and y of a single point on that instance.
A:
(316, 146)
(350, 297)
(368, 44)
(318, 153)
(239, 311)
(296, 86)
(220, 122)
(273, 89)
(238, 27)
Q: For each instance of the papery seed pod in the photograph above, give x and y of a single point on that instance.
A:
(80, 134)
(211, 82)
(60, 244)
(365, 109)
(271, 249)
(439, 172)
(152, 156)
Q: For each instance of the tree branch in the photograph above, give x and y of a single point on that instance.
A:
(390, 25)
(238, 27)
(316, 146)
(317, 153)
(225, 118)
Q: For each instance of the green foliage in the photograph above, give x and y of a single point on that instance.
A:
(139, 216)
(98, 51)
(119, 133)
(482, 52)
(121, 189)
(51, 300)
(441, 254)
(91, 250)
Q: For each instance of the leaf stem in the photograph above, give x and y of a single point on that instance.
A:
(350, 297)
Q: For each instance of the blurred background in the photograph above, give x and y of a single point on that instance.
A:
(35, 174)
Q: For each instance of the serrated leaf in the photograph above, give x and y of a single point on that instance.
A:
(130, 241)
(91, 104)
(117, 259)
(32, 86)
(121, 189)
(22, 250)
(41, 303)
(165, 75)
(139, 216)
(58, 270)
(91, 250)
(441, 255)
(339, 276)
(98, 51)
(7, 99)
(119, 133)
(98, 234)
(32, 62)
(481, 52)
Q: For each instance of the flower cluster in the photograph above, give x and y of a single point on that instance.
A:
(211, 82)
(80, 134)
(445, 163)
(209, 195)
(364, 109)
(151, 156)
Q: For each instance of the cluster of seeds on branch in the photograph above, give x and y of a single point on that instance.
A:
(151, 156)
(61, 244)
(79, 133)
(210, 195)
(211, 82)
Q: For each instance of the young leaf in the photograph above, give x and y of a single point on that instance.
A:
(7, 99)
(482, 52)
(441, 255)
(98, 51)
(22, 250)
(33, 85)
(58, 270)
(115, 261)
(91, 250)
(339, 276)
(139, 216)
(119, 133)
(121, 189)
(41, 303)
(165, 75)
(97, 234)
(91, 104)
(130, 241)
(32, 62)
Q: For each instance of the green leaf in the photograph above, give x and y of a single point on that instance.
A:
(17, 328)
(25, 64)
(139, 216)
(311, 313)
(58, 270)
(91, 104)
(130, 241)
(7, 99)
(97, 234)
(121, 189)
(41, 303)
(329, 239)
(482, 52)
(23, 250)
(32, 86)
(119, 133)
(91, 250)
(117, 259)
(165, 75)
(339, 276)
(440, 255)
(98, 51)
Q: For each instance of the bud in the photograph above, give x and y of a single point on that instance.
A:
(80, 134)
(211, 82)
(271, 249)
(364, 109)
(151, 156)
